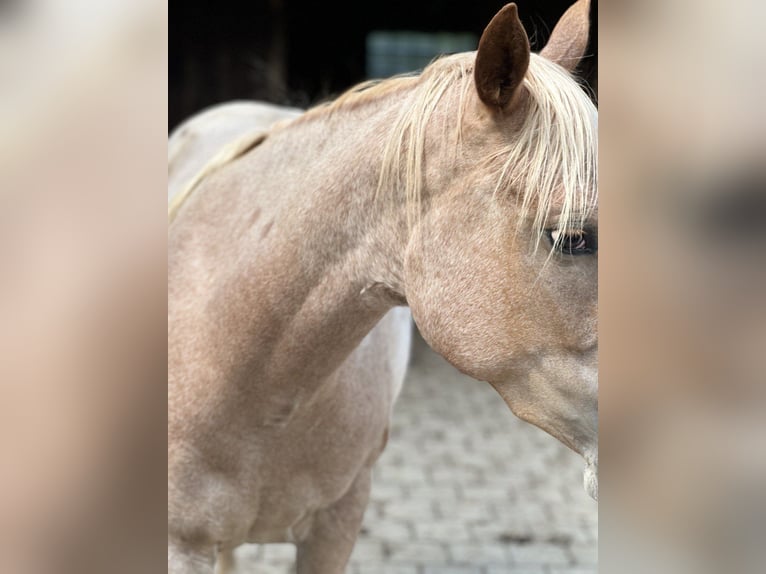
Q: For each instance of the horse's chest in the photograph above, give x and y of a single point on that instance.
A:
(314, 453)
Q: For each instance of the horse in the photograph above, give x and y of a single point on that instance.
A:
(466, 193)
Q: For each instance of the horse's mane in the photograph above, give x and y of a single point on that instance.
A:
(227, 154)
(552, 161)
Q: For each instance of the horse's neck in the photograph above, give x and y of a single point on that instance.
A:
(302, 259)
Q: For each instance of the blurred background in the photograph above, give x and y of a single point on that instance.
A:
(296, 52)
(682, 287)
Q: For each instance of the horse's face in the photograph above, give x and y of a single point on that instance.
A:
(501, 301)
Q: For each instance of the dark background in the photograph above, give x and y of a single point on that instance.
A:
(298, 52)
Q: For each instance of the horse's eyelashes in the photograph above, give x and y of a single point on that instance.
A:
(574, 242)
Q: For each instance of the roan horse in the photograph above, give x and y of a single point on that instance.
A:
(467, 193)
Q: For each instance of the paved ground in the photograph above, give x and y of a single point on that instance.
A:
(464, 487)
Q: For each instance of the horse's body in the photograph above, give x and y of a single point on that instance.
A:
(369, 379)
(284, 259)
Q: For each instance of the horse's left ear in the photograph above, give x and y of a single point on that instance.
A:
(502, 59)
(569, 38)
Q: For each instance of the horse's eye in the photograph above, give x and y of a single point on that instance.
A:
(576, 242)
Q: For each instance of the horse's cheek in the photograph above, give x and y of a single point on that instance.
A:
(461, 302)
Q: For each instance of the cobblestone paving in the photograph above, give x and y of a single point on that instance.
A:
(464, 487)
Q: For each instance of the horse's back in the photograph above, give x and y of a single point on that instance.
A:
(193, 143)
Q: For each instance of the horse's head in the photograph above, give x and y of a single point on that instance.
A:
(501, 267)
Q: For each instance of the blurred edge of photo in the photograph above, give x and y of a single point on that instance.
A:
(83, 110)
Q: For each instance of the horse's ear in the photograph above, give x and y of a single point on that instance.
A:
(502, 58)
(569, 39)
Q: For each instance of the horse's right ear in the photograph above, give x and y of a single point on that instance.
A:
(502, 59)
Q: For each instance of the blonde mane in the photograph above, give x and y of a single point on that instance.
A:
(554, 161)
(550, 164)
(227, 154)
